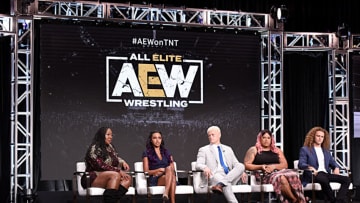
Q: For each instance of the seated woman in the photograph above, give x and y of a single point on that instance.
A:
(105, 167)
(159, 163)
(270, 159)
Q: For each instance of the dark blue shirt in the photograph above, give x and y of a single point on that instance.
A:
(155, 162)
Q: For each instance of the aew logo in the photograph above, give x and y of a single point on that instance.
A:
(162, 81)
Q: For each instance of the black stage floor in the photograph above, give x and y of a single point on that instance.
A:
(67, 197)
(60, 191)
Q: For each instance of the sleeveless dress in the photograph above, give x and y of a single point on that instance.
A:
(269, 157)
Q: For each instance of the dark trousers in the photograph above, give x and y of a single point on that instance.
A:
(325, 178)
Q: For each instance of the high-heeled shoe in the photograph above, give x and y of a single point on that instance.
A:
(165, 197)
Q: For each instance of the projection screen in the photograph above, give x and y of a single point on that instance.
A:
(136, 79)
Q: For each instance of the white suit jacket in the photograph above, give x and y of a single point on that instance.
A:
(208, 156)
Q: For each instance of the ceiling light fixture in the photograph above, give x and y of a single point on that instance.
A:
(280, 13)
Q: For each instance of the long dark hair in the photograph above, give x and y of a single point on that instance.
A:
(99, 142)
(151, 151)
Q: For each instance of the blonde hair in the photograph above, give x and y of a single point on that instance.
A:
(214, 127)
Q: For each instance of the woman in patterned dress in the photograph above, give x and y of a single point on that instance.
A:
(268, 158)
(106, 169)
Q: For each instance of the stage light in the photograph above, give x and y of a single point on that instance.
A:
(279, 13)
(343, 32)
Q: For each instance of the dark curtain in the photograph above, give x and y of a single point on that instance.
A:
(5, 73)
(305, 98)
(5, 7)
(354, 106)
(37, 121)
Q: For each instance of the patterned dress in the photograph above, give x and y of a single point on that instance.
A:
(95, 163)
(269, 157)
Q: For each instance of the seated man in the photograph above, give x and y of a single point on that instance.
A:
(220, 165)
(315, 156)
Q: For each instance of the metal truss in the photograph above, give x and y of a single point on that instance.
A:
(21, 29)
(298, 41)
(274, 43)
(156, 14)
(338, 77)
(339, 99)
(339, 107)
(271, 84)
(70, 9)
(22, 99)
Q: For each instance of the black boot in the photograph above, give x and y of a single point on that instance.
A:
(122, 190)
(111, 196)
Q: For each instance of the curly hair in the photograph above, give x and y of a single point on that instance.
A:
(310, 137)
(150, 148)
(258, 145)
(99, 143)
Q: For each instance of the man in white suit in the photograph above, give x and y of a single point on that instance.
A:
(220, 165)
